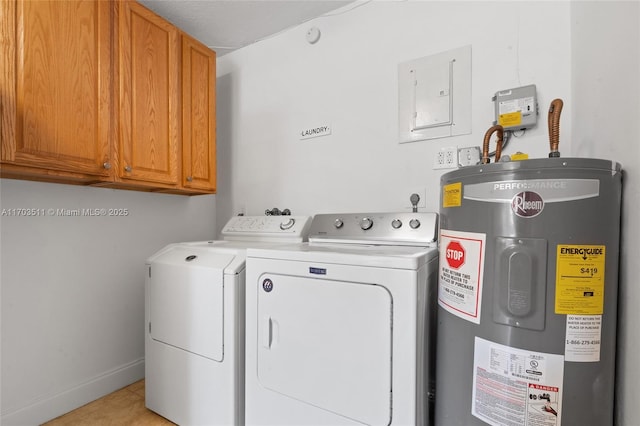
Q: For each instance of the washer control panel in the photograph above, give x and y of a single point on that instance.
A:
(375, 228)
(256, 227)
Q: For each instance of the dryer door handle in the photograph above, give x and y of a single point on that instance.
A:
(267, 331)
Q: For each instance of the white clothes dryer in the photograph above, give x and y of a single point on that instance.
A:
(340, 330)
(194, 320)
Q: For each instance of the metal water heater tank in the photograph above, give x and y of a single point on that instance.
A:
(528, 292)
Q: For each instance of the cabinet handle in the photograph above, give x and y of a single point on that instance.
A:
(106, 165)
(127, 169)
(189, 178)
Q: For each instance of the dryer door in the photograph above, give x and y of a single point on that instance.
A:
(186, 300)
(328, 344)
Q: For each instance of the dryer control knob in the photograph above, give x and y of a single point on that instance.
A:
(414, 224)
(366, 223)
(287, 224)
(338, 223)
(396, 223)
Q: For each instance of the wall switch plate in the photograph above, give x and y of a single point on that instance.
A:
(469, 156)
(446, 158)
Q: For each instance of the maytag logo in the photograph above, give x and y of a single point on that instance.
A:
(527, 204)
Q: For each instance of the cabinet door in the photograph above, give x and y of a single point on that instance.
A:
(56, 85)
(198, 115)
(149, 93)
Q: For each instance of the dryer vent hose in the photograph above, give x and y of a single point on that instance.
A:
(487, 138)
(554, 127)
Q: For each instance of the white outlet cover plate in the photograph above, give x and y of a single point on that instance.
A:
(446, 158)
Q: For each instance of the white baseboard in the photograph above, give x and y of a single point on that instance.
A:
(51, 406)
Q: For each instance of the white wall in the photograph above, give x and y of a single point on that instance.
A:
(271, 90)
(606, 124)
(583, 52)
(72, 291)
(72, 288)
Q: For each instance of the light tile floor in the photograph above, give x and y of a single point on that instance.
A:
(123, 407)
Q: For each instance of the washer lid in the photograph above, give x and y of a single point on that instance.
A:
(210, 254)
(186, 299)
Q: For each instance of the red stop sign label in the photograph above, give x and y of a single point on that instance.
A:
(455, 254)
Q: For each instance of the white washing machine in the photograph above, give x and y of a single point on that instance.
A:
(194, 319)
(340, 330)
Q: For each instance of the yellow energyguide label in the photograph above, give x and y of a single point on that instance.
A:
(452, 195)
(580, 279)
(510, 119)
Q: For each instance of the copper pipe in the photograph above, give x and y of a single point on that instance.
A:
(487, 138)
(499, 143)
(554, 126)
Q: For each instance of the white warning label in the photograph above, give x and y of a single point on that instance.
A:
(516, 387)
(582, 342)
(461, 272)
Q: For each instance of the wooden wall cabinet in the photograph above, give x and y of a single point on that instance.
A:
(198, 115)
(107, 94)
(149, 120)
(56, 89)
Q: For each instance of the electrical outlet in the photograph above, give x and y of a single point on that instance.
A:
(446, 158)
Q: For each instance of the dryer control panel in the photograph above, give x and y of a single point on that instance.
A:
(412, 229)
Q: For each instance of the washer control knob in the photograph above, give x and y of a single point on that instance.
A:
(366, 223)
(396, 223)
(414, 224)
(338, 223)
(287, 224)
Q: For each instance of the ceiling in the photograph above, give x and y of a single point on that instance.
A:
(226, 25)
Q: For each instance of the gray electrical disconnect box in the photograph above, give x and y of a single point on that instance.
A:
(516, 109)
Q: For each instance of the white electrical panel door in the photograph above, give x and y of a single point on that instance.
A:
(187, 301)
(328, 344)
(432, 96)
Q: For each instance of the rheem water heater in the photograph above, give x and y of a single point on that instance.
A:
(527, 293)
